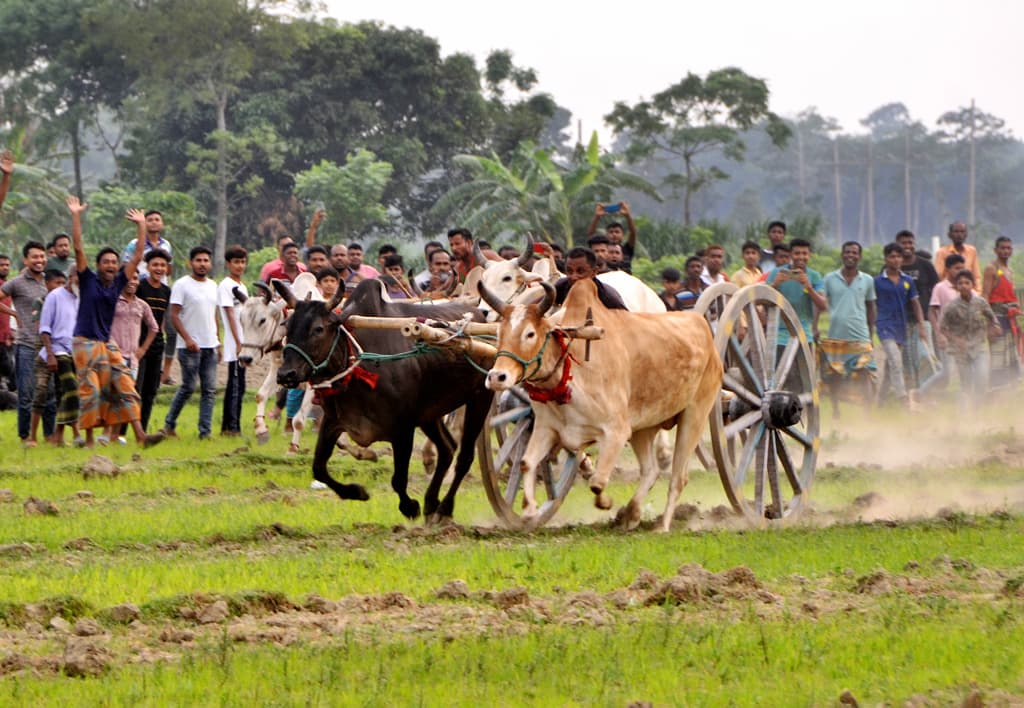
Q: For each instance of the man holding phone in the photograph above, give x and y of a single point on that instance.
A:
(803, 287)
(614, 229)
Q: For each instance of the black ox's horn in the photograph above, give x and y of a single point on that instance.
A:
(412, 284)
(239, 295)
(265, 290)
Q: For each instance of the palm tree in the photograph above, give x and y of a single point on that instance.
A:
(535, 192)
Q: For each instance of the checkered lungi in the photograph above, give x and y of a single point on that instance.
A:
(66, 380)
(106, 391)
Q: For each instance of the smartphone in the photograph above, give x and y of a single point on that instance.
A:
(612, 208)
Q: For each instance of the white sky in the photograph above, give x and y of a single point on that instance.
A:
(933, 55)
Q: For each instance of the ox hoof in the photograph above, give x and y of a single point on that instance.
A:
(352, 491)
(602, 500)
(263, 438)
(410, 508)
(628, 517)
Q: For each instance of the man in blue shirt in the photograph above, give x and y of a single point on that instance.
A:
(804, 288)
(106, 390)
(897, 296)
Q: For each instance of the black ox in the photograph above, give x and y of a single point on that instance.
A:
(385, 400)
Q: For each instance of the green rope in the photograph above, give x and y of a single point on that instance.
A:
(418, 349)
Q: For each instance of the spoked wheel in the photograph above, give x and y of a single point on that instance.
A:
(500, 448)
(711, 304)
(764, 430)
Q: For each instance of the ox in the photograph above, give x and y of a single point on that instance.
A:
(386, 393)
(648, 372)
(263, 328)
(511, 283)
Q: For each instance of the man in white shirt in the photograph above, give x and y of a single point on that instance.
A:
(194, 316)
(236, 258)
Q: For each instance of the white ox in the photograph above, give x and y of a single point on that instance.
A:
(263, 329)
(510, 282)
(648, 372)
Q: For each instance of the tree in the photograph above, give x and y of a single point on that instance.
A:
(967, 127)
(351, 194)
(535, 192)
(693, 119)
(186, 224)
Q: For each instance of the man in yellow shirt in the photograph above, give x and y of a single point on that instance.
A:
(750, 273)
(958, 236)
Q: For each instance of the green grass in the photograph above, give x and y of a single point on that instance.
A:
(228, 518)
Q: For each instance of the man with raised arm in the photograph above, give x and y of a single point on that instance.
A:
(6, 167)
(106, 391)
(614, 230)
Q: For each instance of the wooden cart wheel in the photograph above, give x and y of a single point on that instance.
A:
(711, 304)
(500, 448)
(764, 431)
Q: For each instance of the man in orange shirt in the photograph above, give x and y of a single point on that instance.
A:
(958, 236)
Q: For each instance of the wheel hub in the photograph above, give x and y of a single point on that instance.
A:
(781, 409)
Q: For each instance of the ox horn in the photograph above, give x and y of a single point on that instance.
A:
(527, 253)
(268, 294)
(336, 300)
(478, 254)
(413, 285)
(453, 282)
(492, 300)
(549, 298)
(239, 295)
(285, 291)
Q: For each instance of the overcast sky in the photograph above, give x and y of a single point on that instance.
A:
(933, 55)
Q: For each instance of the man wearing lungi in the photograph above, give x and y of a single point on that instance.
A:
(106, 391)
(997, 288)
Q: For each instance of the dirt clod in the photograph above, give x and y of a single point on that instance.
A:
(35, 506)
(87, 627)
(82, 657)
(84, 494)
(847, 699)
(213, 613)
(685, 512)
(172, 635)
(315, 603)
(20, 550)
(6, 496)
(100, 466)
(60, 624)
(511, 597)
(865, 501)
(973, 700)
(124, 613)
(645, 580)
(453, 590)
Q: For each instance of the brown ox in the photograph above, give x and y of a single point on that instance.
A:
(649, 371)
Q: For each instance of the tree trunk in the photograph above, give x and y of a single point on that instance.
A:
(971, 176)
(801, 170)
(837, 185)
(221, 238)
(871, 191)
(687, 221)
(76, 158)
(906, 180)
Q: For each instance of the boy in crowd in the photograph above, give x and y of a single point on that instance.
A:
(396, 286)
(898, 306)
(236, 258)
(130, 315)
(750, 273)
(328, 282)
(154, 291)
(55, 365)
(967, 323)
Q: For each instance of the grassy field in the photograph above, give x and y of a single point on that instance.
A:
(905, 582)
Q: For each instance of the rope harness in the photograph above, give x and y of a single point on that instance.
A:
(561, 393)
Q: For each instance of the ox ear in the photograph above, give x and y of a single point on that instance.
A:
(492, 300)
(265, 290)
(478, 254)
(549, 298)
(527, 253)
(239, 295)
(285, 291)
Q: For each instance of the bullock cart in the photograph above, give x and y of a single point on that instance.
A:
(763, 433)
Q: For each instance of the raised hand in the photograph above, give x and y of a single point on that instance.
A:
(599, 209)
(136, 215)
(75, 206)
(7, 162)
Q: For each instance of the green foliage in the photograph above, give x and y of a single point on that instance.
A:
(350, 194)
(696, 116)
(667, 238)
(247, 156)
(105, 223)
(536, 192)
(258, 259)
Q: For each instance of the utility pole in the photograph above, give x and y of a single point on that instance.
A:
(971, 175)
